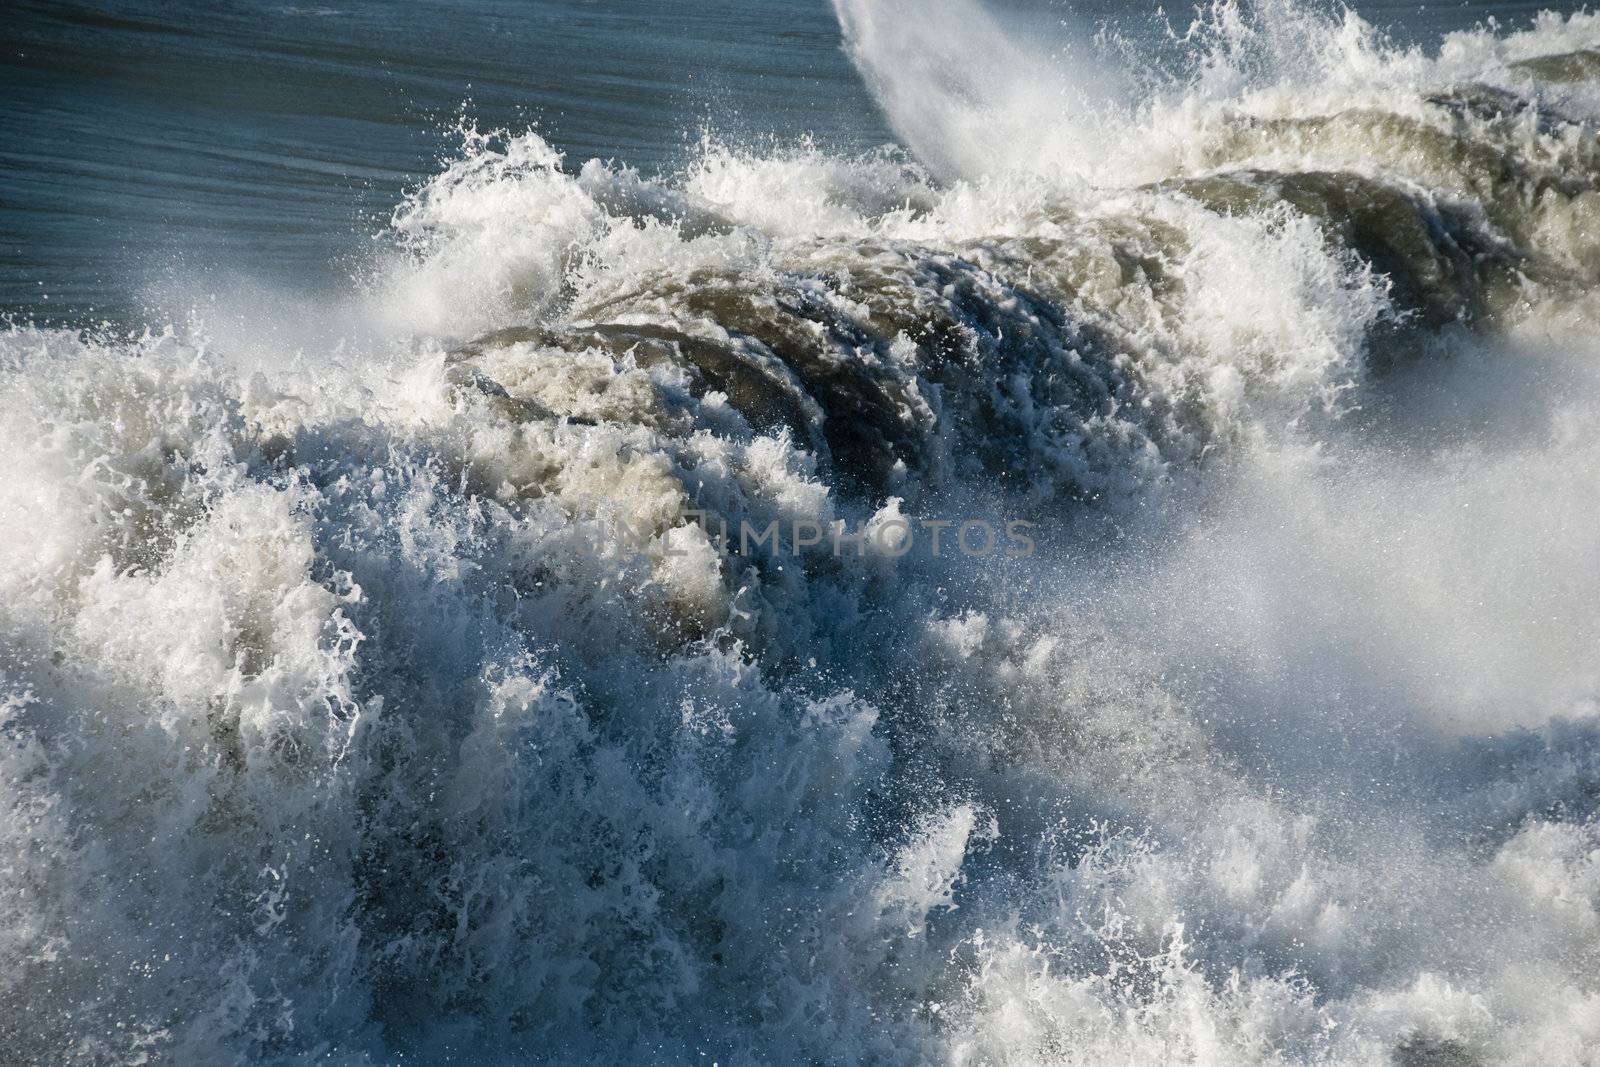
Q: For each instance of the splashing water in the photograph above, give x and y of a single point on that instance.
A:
(343, 726)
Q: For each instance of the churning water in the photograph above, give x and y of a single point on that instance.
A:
(344, 725)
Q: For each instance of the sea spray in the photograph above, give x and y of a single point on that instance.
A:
(341, 725)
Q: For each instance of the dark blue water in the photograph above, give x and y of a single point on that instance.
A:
(151, 138)
(146, 143)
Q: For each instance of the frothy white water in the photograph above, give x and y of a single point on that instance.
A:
(331, 737)
(968, 95)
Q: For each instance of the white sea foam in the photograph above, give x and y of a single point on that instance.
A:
(331, 737)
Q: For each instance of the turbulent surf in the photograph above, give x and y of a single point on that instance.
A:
(375, 689)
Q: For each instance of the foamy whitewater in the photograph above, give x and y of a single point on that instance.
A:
(341, 726)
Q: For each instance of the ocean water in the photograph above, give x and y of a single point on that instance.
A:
(160, 154)
(385, 679)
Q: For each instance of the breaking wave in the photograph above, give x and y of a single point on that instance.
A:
(342, 725)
